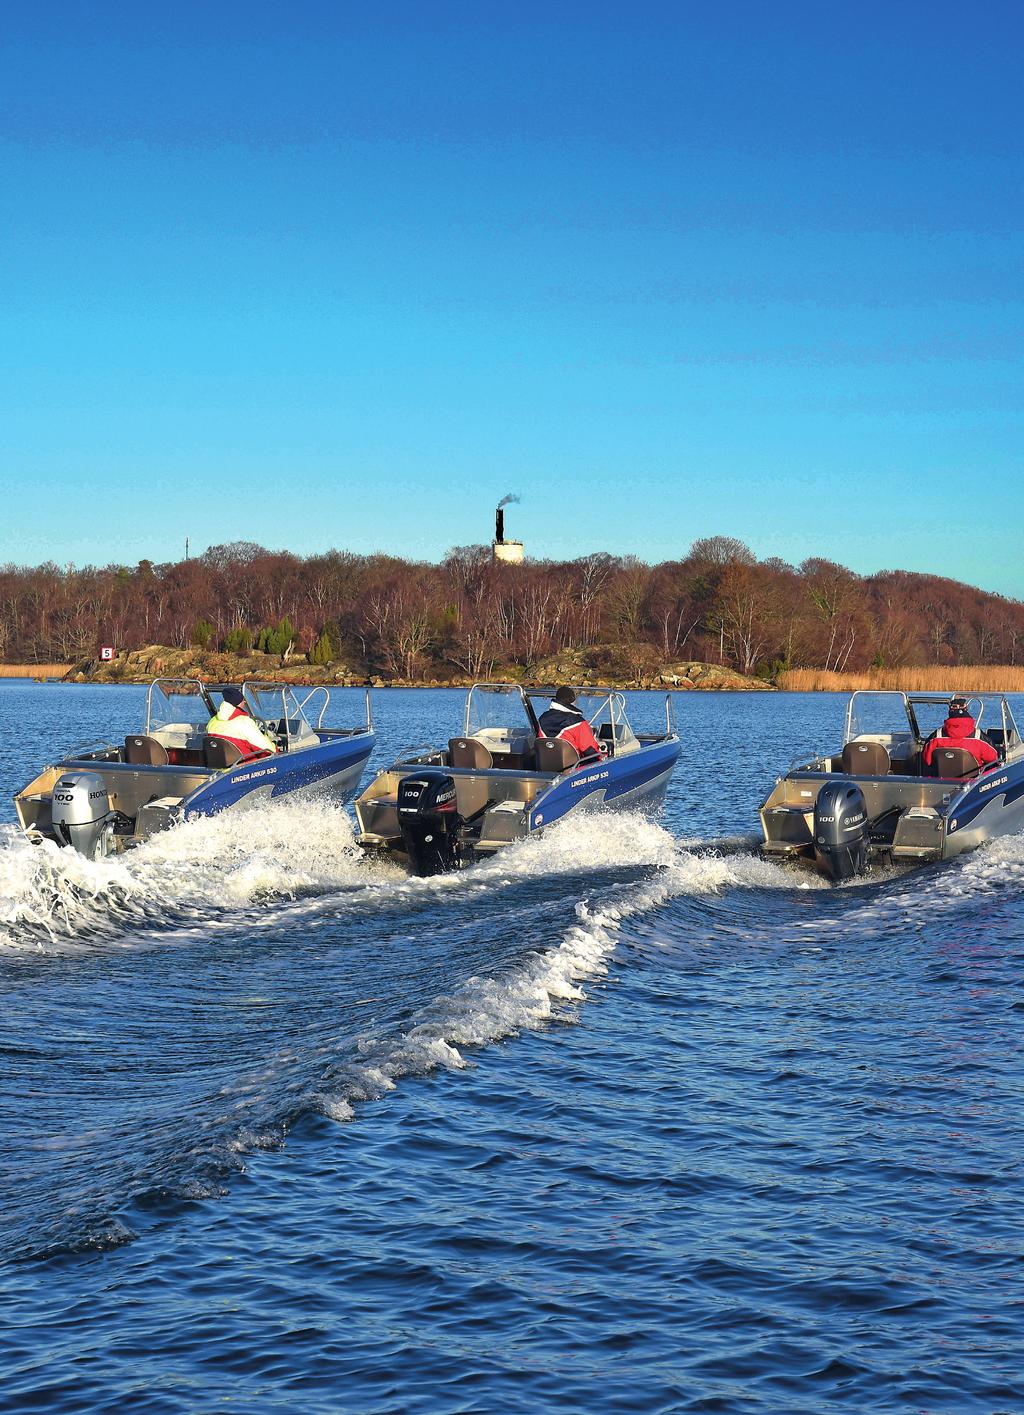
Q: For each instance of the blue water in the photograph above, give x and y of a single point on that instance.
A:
(609, 1123)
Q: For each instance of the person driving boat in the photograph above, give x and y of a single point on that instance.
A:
(958, 731)
(563, 719)
(233, 722)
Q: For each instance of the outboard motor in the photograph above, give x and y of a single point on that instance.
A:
(428, 817)
(80, 810)
(841, 830)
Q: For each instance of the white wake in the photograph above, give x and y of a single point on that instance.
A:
(203, 870)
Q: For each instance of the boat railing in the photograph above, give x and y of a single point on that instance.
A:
(423, 754)
(94, 751)
(809, 760)
(312, 696)
(353, 728)
(611, 709)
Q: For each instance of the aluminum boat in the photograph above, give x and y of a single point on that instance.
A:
(103, 797)
(436, 809)
(875, 800)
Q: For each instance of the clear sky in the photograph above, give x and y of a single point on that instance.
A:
(343, 274)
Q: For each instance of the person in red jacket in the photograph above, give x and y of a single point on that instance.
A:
(958, 731)
(563, 719)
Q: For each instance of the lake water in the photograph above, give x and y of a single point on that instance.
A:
(603, 1124)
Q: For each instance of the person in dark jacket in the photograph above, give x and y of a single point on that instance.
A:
(958, 731)
(563, 719)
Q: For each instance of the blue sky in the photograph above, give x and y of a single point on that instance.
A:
(340, 275)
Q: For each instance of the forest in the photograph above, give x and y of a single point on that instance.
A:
(469, 616)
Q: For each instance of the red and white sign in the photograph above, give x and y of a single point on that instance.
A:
(106, 652)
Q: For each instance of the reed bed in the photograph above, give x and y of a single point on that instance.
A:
(34, 670)
(968, 678)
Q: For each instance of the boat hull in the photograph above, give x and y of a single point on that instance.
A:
(143, 800)
(992, 807)
(501, 806)
(332, 770)
(636, 781)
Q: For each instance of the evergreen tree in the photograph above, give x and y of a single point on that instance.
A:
(321, 652)
(202, 633)
(237, 641)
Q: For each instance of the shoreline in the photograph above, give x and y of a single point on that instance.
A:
(456, 685)
(140, 668)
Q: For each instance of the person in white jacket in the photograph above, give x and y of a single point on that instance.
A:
(233, 722)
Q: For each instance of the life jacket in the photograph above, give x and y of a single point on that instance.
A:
(235, 725)
(569, 724)
(958, 732)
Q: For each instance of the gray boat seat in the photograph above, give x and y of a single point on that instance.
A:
(468, 752)
(144, 751)
(555, 755)
(949, 762)
(220, 753)
(865, 759)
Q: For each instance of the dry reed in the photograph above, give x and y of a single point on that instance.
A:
(968, 678)
(34, 670)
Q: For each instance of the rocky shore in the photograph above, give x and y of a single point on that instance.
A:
(577, 667)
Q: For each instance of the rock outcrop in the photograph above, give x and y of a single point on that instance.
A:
(711, 677)
(580, 667)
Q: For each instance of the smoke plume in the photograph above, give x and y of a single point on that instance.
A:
(507, 500)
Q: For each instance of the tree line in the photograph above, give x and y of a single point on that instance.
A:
(469, 616)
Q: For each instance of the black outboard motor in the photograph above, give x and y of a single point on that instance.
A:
(841, 830)
(428, 817)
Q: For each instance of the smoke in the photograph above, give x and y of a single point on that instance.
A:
(507, 500)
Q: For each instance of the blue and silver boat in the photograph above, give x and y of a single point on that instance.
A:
(103, 797)
(881, 798)
(502, 780)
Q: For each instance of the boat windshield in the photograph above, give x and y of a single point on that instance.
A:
(876, 715)
(181, 703)
(293, 713)
(912, 717)
(497, 707)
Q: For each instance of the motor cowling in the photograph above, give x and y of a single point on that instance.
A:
(80, 812)
(841, 830)
(428, 817)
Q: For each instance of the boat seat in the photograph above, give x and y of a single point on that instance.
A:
(865, 759)
(219, 753)
(555, 755)
(949, 762)
(468, 752)
(144, 751)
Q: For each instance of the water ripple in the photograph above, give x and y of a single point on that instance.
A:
(626, 1119)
